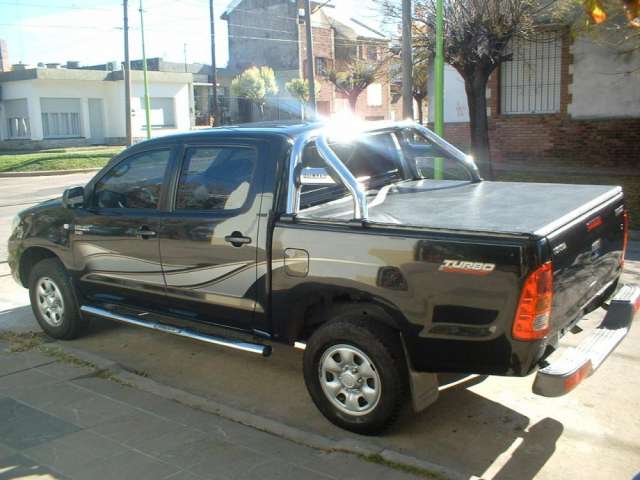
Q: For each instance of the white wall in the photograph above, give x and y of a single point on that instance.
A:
(455, 98)
(112, 93)
(15, 90)
(181, 96)
(601, 88)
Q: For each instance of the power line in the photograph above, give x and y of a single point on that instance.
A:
(84, 27)
(44, 5)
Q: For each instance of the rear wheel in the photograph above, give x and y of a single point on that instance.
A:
(355, 371)
(53, 301)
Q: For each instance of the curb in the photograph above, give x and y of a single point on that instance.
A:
(274, 427)
(46, 173)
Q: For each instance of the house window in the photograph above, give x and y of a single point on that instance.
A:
(162, 113)
(372, 53)
(374, 95)
(322, 65)
(17, 116)
(60, 117)
(531, 80)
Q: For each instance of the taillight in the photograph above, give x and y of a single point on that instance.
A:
(534, 308)
(625, 240)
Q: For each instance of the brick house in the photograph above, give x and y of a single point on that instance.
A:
(559, 98)
(269, 32)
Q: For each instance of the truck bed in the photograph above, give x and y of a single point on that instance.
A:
(496, 207)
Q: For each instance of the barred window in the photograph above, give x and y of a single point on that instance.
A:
(531, 80)
(17, 115)
(60, 117)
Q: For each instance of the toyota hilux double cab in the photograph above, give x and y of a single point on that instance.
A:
(376, 247)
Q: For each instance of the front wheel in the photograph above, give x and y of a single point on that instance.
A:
(53, 301)
(355, 372)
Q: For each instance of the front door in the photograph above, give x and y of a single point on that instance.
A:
(96, 121)
(115, 237)
(209, 239)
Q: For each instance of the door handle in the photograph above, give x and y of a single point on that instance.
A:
(145, 233)
(237, 239)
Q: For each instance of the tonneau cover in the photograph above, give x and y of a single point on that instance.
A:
(500, 207)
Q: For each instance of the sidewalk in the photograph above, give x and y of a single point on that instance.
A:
(63, 419)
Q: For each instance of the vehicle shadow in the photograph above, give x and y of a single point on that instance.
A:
(476, 436)
(464, 431)
(18, 320)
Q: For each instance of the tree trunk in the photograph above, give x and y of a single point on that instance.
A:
(420, 119)
(476, 88)
(353, 100)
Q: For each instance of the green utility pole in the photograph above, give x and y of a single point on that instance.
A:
(439, 81)
(147, 102)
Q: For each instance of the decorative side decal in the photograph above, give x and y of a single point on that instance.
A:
(472, 268)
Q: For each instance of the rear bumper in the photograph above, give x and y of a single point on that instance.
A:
(569, 366)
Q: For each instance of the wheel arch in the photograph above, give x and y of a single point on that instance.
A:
(310, 306)
(29, 258)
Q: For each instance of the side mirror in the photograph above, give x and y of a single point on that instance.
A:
(73, 197)
(315, 176)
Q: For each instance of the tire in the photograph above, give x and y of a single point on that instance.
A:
(53, 300)
(368, 401)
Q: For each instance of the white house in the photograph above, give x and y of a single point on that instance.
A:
(63, 107)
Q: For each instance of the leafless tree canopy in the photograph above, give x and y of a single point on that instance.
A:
(476, 32)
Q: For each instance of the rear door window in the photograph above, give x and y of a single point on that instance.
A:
(215, 178)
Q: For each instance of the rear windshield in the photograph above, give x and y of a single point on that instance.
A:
(381, 159)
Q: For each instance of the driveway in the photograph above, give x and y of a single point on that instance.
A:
(494, 428)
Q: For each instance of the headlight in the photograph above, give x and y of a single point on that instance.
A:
(16, 227)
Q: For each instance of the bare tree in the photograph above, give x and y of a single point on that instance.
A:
(477, 35)
(354, 78)
(420, 89)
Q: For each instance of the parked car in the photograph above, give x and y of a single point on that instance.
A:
(377, 249)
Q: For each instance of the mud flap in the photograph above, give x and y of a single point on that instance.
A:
(424, 389)
(424, 385)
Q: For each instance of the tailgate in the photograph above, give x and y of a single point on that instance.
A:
(587, 254)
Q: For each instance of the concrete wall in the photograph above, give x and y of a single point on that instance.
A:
(455, 98)
(603, 83)
(181, 96)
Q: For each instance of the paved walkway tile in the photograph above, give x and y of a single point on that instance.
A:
(20, 361)
(75, 452)
(22, 426)
(59, 422)
(21, 467)
(128, 465)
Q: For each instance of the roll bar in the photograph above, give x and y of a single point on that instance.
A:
(360, 208)
(333, 162)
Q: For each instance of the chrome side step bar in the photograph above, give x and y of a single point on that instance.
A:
(264, 350)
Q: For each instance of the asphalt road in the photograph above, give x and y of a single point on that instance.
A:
(19, 193)
(494, 428)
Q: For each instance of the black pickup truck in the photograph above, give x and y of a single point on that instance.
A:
(376, 248)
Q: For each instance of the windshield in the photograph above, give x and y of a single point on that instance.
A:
(382, 158)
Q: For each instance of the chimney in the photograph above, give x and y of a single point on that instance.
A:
(5, 66)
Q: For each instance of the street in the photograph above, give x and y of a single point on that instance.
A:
(493, 428)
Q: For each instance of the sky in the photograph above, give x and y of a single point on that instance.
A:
(90, 31)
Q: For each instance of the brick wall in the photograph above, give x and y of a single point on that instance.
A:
(610, 143)
(543, 139)
(322, 48)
